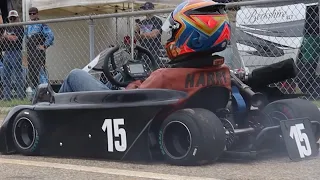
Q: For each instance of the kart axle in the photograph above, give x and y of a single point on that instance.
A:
(242, 131)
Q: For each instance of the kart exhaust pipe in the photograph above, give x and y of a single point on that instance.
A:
(257, 99)
(264, 76)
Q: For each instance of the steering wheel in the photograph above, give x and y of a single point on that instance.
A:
(131, 69)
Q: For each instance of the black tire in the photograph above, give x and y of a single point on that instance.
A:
(27, 143)
(207, 138)
(290, 109)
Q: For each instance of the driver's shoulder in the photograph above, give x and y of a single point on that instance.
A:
(165, 70)
(175, 72)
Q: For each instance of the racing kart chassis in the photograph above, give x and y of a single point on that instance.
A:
(149, 124)
(72, 137)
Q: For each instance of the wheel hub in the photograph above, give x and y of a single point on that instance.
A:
(176, 140)
(24, 133)
(230, 135)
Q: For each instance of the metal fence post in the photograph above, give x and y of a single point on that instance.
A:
(91, 38)
(24, 19)
(132, 31)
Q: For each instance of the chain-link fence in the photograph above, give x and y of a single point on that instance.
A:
(268, 33)
(262, 34)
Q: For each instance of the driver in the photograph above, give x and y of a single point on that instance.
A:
(198, 29)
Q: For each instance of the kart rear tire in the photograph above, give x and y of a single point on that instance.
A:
(207, 138)
(27, 144)
(291, 109)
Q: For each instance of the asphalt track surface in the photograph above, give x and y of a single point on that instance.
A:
(17, 167)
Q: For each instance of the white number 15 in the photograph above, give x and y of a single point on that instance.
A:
(118, 131)
(299, 137)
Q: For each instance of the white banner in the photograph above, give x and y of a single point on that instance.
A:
(271, 15)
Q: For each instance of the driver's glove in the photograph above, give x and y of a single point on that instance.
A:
(134, 84)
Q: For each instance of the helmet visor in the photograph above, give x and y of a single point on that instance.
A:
(168, 23)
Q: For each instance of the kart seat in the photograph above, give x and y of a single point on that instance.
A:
(212, 98)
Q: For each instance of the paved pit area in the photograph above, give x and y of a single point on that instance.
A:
(19, 167)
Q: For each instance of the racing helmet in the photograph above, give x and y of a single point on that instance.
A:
(196, 27)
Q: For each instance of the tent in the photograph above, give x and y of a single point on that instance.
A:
(85, 7)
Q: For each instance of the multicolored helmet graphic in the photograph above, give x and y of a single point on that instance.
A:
(197, 27)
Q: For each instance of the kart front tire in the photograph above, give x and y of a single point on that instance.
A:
(286, 109)
(27, 131)
(192, 137)
(292, 109)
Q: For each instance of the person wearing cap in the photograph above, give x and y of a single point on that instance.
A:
(1, 33)
(39, 38)
(1, 22)
(12, 60)
(1, 57)
(148, 31)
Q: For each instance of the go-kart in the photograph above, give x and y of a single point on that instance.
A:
(164, 124)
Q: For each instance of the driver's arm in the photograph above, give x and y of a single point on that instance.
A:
(155, 80)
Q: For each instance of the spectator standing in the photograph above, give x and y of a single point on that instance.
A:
(148, 32)
(12, 60)
(1, 59)
(39, 38)
(1, 33)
